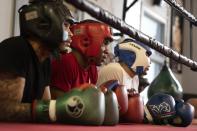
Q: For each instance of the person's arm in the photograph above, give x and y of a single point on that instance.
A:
(47, 94)
(11, 92)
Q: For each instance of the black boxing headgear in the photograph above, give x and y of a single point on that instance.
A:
(45, 19)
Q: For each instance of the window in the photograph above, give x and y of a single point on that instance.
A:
(153, 26)
(19, 3)
(133, 15)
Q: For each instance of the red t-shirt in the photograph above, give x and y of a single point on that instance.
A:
(67, 73)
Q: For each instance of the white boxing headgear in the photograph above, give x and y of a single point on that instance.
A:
(134, 54)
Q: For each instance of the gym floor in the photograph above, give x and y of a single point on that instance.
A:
(120, 127)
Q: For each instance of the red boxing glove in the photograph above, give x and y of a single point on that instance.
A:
(135, 112)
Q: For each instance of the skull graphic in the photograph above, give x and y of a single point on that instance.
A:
(75, 106)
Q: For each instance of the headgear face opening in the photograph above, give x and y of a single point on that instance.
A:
(89, 36)
(44, 19)
(134, 54)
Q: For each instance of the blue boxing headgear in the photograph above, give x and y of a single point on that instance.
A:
(44, 19)
(134, 54)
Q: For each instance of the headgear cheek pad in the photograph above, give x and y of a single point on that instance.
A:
(134, 55)
(44, 19)
(88, 37)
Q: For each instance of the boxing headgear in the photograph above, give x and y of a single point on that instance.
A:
(88, 37)
(160, 108)
(44, 19)
(134, 54)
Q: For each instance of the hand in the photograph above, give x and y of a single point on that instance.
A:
(131, 92)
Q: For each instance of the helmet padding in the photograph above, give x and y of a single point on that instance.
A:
(134, 54)
(44, 19)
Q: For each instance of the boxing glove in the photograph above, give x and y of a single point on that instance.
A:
(160, 108)
(184, 114)
(78, 106)
(121, 94)
(109, 85)
(135, 112)
(111, 108)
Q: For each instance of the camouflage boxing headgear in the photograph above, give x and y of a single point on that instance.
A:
(134, 54)
(88, 37)
(45, 19)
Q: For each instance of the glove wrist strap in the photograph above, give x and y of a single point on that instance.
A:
(148, 115)
(44, 110)
(52, 110)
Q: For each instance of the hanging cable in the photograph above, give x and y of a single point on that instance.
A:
(191, 32)
(191, 40)
(125, 8)
(132, 4)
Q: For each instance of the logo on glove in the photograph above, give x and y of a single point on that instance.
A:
(162, 110)
(75, 106)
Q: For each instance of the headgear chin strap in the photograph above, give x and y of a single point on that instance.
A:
(65, 35)
(134, 55)
(89, 36)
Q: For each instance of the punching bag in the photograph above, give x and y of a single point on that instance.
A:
(167, 83)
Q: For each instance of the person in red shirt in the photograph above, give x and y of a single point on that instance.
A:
(89, 46)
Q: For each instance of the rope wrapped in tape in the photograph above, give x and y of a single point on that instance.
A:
(108, 18)
(182, 11)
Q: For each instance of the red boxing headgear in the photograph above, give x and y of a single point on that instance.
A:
(88, 37)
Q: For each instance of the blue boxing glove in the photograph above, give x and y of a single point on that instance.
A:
(160, 108)
(184, 114)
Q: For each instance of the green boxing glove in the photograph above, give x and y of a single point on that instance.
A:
(79, 106)
(111, 109)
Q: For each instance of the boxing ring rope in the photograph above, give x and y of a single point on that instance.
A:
(115, 22)
(187, 15)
